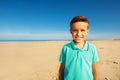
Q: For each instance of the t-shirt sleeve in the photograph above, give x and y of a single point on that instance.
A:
(62, 55)
(95, 55)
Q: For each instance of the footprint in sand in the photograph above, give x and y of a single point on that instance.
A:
(112, 62)
(101, 48)
(116, 62)
(107, 78)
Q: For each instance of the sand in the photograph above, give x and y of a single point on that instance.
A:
(40, 60)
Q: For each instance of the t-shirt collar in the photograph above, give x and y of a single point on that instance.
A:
(85, 47)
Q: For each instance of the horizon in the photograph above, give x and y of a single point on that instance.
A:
(49, 20)
(52, 40)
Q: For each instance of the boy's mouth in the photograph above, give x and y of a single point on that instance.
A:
(78, 38)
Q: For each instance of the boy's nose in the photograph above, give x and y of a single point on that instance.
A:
(79, 33)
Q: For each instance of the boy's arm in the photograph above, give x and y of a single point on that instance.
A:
(61, 72)
(95, 70)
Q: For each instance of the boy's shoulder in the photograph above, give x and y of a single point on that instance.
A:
(67, 44)
(91, 46)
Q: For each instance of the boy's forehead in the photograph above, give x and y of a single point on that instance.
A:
(80, 25)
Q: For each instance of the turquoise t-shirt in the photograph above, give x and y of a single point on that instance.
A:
(78, 62)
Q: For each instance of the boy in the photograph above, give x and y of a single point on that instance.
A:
(79, 59)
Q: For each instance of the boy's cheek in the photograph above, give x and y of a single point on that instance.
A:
(73, 35)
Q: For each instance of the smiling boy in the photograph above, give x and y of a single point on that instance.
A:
(79, 59)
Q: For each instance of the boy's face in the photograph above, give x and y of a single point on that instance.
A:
(79, 31)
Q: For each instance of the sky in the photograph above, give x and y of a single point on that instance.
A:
(50, 19)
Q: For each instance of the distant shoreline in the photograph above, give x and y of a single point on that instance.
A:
(32, 40)
(43, 40)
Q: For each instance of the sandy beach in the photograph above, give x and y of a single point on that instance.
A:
(40, 60)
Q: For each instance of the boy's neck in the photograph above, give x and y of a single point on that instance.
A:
(80, 44)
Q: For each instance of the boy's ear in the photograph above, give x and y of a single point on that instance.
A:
(88, 31)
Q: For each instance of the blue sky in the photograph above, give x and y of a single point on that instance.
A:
(49, 19)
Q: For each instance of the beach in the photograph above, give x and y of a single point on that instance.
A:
(40, 60)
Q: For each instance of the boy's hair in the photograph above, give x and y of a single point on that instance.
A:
(79, 19)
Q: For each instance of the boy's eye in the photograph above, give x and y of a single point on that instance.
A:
(74, 30)
(82, 30)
